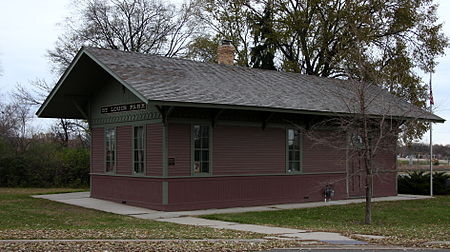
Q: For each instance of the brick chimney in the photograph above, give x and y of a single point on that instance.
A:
(225, 53)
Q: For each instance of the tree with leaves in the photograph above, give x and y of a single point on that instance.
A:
(319, 37)
(203, 48)
(226, 20)
(263, 51)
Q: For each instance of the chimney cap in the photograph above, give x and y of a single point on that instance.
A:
(226, 42)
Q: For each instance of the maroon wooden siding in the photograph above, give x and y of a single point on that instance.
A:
(145, 192)
(385, 180)
(237, 150)
(248, 150)
(219, 192)
(180, 149)
(98, 150)
(124, 140)
(154, 149)
(322, 157)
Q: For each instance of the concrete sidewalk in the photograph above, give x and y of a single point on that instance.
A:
(83, 199)
(186, 217)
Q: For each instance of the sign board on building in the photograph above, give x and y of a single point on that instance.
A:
(123, 107)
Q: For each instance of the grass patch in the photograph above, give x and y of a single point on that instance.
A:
(406, 222)
(23, 217)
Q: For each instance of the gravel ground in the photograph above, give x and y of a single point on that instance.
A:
(181, 245)
(189, 232)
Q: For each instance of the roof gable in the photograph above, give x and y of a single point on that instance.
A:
(84, 76)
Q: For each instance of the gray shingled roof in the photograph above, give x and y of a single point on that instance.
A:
(165, 79)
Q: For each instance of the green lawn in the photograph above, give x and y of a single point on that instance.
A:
(405, 222)
(23, 217)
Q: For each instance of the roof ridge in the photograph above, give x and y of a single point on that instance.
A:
(211, 63)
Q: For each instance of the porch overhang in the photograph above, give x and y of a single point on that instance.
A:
(71, 95)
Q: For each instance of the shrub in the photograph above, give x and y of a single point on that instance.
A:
(418, 182)
(44, 164)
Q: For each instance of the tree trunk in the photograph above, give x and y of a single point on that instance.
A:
(368, 217)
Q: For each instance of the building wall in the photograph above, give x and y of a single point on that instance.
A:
(154, 145)
(97, 150)
(230, 191)
(322, 157)
(248, 150)
(248, 168)
(179, 139)
(136, 191)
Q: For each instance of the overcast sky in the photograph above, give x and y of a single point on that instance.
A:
(28, 28)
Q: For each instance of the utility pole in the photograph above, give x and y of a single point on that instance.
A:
(431, 140)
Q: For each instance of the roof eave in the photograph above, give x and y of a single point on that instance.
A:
(279, 110)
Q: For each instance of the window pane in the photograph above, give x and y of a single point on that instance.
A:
(290, 134)
(196, 131)
(205, 155)
(205, 143)
(201, 148)
(138, 149)
(197, 143)
(294, 150)
(205, 167)
(110, 149)
(139, 144)
(138, 167)
(197, 155)
(295, 166)
(205, 131)
(296, 142)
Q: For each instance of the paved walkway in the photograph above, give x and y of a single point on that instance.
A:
(186, 217)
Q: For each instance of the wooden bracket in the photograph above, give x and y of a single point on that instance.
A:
(165, 112)
(215, 116)
(80, 109)
(266, 120)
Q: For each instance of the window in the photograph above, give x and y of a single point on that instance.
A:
(110, 149)
(293, 150)
(201, 149)
(138, 150)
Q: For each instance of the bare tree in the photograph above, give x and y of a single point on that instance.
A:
(146, 26)
(8, 122)
(14, 124)
(64, 129)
